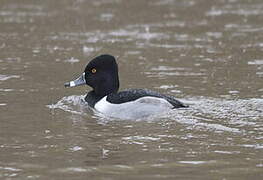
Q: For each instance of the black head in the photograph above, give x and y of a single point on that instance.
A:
(101, 74)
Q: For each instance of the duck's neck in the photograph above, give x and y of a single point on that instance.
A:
(92, 98)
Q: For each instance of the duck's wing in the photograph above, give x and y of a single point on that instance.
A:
(134, 94)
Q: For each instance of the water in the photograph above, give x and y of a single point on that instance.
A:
(206, 53)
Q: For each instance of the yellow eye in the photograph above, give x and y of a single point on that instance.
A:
(93, 70)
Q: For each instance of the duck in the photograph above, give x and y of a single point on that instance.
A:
(101, 74)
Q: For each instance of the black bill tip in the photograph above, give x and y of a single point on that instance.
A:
(67, 85)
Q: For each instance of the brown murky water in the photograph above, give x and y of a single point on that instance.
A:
(207, 53)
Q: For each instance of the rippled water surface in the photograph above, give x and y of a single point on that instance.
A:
(209, 54)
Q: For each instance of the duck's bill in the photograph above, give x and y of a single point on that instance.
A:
(77, 82)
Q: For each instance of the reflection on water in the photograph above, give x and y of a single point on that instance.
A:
(206, 53)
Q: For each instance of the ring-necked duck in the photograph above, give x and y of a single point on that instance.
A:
(101, 74)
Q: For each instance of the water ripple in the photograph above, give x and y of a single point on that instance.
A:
(6, 77)
(218, 115)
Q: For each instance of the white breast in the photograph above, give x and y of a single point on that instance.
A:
(139, 108)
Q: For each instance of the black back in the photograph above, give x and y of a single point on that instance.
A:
(133, 94)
